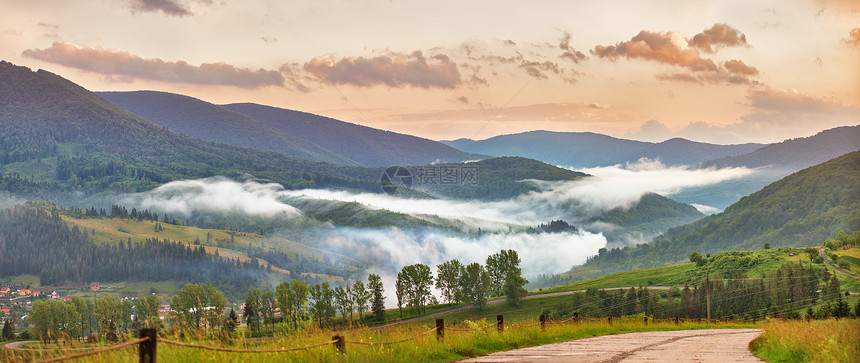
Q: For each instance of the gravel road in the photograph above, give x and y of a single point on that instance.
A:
(708, 345)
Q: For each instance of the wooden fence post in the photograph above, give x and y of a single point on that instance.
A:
(500, 323)
(147, 350)
(340, 344)
(677, 321)
(575, 316)
(542, 322)
(610, 320)
(645, 319)
(440, 329)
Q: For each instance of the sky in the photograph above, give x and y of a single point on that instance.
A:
(720, 71)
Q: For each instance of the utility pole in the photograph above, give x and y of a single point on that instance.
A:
(708, 292)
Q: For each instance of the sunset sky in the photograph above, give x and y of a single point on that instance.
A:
(713, 71)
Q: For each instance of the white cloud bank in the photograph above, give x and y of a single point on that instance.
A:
(610, 187)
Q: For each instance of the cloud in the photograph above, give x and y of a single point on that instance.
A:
(268, 39)
(388, 250)
(215, 194)
(669, 48)
(393, 70)
(116, 63)
(463, 99)
(673, 49)
(571, 54)
(719, 35)
(739, 67)
(539, 70)
(168, 7)
(51, 30)
(853, 38)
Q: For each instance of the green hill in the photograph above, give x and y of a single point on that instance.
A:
(801, 209)
(200, 119)
(57, 138)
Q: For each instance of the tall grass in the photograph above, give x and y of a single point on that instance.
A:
(814, 341)
(455, 345)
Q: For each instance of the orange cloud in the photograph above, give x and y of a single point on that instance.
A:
(124, 65)
(718, 35)
(739, 67)
(394, 70)
(669, 48)
(853, 37)
(673, 49)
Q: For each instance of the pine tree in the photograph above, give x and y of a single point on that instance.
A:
(375, 287)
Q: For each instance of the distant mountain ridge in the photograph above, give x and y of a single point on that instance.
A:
(798, 153)
(295, 133)
(588, 149)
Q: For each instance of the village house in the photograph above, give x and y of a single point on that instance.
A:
(4, 290)
(24, 292)
(94, 286)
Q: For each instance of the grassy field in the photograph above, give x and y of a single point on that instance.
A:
(815, 341)
(456, 344)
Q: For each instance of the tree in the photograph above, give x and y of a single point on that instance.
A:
(448, 276)
(343, 300)
(841, 309)
(253, 311)
(109, 316)
(146, 312)
(198, 306)
(322, 306)
(514, 281)
(8, 330)
(282, 299)
(812, 252)
(232, 321)
(268, 305)
(767, 245)
(376, 289)
(476, 285)
(496, 270)
(297, 300)
(696, 257)
(400, 290)
(360, 297)
(418, 279)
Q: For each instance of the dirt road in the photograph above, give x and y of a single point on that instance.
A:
(709, 345)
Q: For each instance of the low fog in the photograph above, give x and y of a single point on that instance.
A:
(503, 222)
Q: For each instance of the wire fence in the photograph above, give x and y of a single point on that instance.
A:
(149, 339)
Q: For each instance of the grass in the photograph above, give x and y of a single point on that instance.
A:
(455, 346)
(815, 341)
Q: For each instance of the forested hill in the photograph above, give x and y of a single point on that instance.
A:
(496, 178)
(37, 242)
(89, 144)
(799, 153)
(801, 209)
(200, 119)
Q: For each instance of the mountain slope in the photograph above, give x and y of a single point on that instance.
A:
(203, 120)
(586, 149)
(364, 145)
(796, 154)
(93, 145)
(801, 209)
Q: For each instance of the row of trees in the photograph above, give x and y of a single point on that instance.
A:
(78, 318)
(297, 302)
(473, 284)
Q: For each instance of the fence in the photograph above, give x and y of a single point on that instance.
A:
(148, 338)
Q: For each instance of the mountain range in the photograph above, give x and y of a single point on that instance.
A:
(299, 134)
(587, 149)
